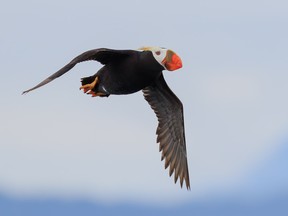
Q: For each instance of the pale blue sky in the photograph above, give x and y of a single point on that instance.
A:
(57, 141)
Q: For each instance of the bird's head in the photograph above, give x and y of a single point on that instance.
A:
(165, 57)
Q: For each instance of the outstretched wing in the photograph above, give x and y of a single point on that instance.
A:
(170, 131)
(102, 55)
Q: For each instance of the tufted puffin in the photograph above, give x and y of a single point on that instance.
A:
(128, 71)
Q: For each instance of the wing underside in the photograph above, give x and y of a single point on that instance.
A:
(170, 130)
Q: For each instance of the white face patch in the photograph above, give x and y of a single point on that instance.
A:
(159, 53)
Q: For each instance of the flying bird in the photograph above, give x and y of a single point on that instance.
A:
(129, 71)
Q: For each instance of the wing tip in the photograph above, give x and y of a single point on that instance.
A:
(187, 182)
(25, 92)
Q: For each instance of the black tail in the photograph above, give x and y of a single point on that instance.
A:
(87, 80)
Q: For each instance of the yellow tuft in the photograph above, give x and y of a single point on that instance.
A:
(150, 48)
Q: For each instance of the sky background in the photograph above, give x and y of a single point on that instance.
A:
(58, 144)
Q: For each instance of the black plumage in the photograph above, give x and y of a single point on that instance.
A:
(128, 71)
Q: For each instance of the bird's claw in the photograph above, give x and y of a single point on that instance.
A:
(92, 93)
(88, 88)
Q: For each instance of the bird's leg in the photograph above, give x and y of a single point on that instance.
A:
(87, 88)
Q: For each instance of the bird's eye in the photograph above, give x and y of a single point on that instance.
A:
(158, 52)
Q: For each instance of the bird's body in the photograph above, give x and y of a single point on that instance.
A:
(129, 71)
(127, 74)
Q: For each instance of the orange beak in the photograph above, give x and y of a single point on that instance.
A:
(172, 61)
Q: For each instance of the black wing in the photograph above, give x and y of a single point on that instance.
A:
(102, 55)
(170, 131)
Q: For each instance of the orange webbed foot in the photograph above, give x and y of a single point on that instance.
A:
(88, 87)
